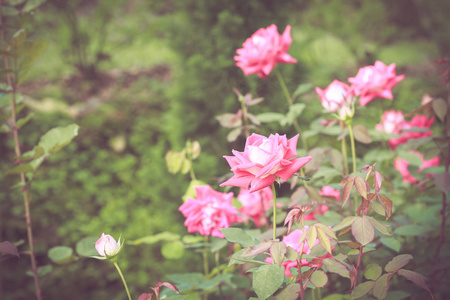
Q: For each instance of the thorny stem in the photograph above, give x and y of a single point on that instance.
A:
(123, 280)
(25, 190)
(274, 211)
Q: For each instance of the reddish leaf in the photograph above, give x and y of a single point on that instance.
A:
(146, 296)
(387, 205)
(415, 277)
(377, 181)
(346, 191)
(361, 186)
(361, 134)
(363, 230)
(346, 179)
(8, 248)
(442, 182)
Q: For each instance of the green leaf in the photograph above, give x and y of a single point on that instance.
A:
(257, 249)
(411, 157)
(415, 277)
(55, 139)
(324, 240)
(172, 250)
(237, 235)
(319, 278)
(381, 286)
(290, 292)
(22, 168)
(177, 297)
(18, 38)
(9, 11)
(270, 117)
(378, 208)
(361, 187)
(86, 247)
(361, 134)
(32, 4)
(187, 281)
(391, 243)
(311, 236)
(277, 251)
(23, 121)
(295, 111)
(267, 280)
(398, 262)
(165, 236)
(440, 108)
(234, 134)
(372, 272)
(348, 221)
(412, 230)
(60, 254)
(301, 89)
(363, 230)
(362, 289)
(380, 227)
(356, 251)
(327, 230)
(338, 267)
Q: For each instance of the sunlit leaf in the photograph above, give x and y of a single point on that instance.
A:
(391, 243)
(60, 254)
(267, 280)
(380, 227)
(55, 139)
(311, 236)
(363, 230)
(337, 267)
(348, 221)
(362, 289)
(324, 240)
(398, 262)
(319, 278)
(172, 250)
(237, 235)
(360, 185)
(372, 272)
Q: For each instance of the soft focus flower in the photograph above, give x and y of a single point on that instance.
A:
(291, 240)
(209, 212)
(401, 165)
(107, 246)
(418, 122)
(320, 209)
(263, 160)
(254, 205)
(328, 191)
(374, 81)
(334, 96)
(391, 122)
(263, 50)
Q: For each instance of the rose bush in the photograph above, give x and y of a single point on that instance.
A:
(263, 50)
(263, 160)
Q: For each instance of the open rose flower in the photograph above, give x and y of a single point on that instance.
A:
(209, 211)
(407, 130)
(263, 50)
(107, 246)
(254, 205)
(263, 160)
(401, 165)
(375, 81)
(291, 240)
(391, 122)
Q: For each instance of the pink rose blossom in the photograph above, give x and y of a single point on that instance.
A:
(106, 245)
(334, 96)
(419, 121)
(291, 240)
(263, 160)
(209, 212)
(254, 205)
(263, 50)
(391, 122)
(375, 81)
(401, 165)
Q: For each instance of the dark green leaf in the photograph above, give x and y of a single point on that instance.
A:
(415, 277)
(22, 168)
(412, 230)
(338, 267)
(391, 243)
(362, 289)
(381, 286)
(398, 262)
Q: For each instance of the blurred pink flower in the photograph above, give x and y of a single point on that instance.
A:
(320, 209)
(391, 122)
(401, 165)
(209, 211)
(263, 50)
(291, 240)
(254, 205)
(419, 121)
(106, 245)
(335, 96)
(328, 191)
(375, 81)
(263, 160)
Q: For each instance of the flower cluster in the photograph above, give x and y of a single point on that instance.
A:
(263, 50)
(209, 211)
(369, 83)
(263, 160)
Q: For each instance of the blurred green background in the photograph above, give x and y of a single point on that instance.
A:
(141, 77)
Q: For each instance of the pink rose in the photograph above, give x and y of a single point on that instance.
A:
(107, 246)
(328, 191)
(263, 50)
(209, 212)
(291, 240)
(391, 122)
(375, 81)
(263, 160)
(254, 205)
(419, 121)
(401, 165)
(334, 96)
